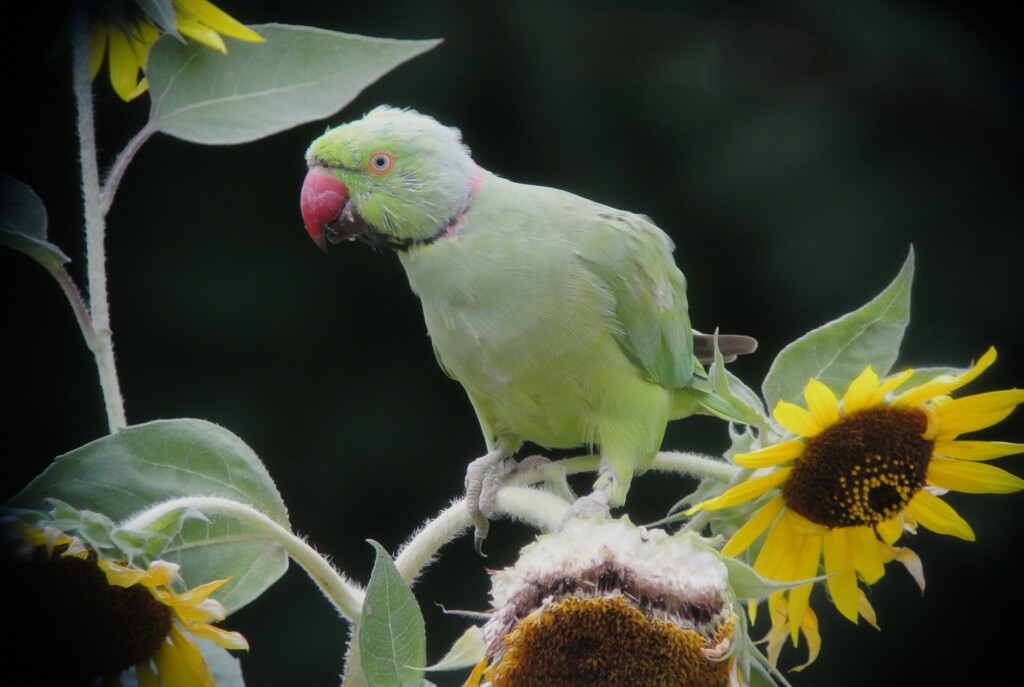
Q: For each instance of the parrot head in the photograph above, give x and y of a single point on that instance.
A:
(394, 178)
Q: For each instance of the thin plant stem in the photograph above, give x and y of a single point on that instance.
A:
(102, 342)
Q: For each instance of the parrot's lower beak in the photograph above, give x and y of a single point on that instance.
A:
(326, 210)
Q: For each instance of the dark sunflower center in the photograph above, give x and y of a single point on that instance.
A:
(66, 608)
(861, 470)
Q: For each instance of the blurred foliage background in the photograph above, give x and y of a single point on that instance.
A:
(793, 150)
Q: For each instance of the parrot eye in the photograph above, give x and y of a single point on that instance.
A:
(381, 163)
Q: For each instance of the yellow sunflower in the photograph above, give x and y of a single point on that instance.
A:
(103, 616)
(178, 660)
(858, 473)
(127, 41)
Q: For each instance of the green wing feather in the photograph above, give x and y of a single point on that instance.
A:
(634, 259)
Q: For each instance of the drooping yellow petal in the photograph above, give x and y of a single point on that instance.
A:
(866, 610)
(222, 638)
(943, 384)
(860, 391)
(796, 420)
(976, 450)
(201, 33)
(805, 561)
(120, 575)
(938, 516)
(124, 63)
(971, 478)
(97, 47)
(867, 559)
(180, 664)
(753, 527)
(218, 19)
(745, 491)
(809, 626)
(842, 580)
(770, 456)
(197, 595)
(773, 560)
(979, 411)
(910, 560)
(822, 404)
(890, 530)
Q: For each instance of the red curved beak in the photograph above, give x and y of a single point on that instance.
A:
(322, 201)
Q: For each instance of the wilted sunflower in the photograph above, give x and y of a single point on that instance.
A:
(126, 37)
(859, 473)
(84, 618)
(608, 603)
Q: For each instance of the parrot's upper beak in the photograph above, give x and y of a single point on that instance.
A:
(326, 211)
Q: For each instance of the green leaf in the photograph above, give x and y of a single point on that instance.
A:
(468, 650)
(23, 224)
(748, 584)
(298, 75)
(837, 352)
(392, 636)
(124, 473)
(162, 13)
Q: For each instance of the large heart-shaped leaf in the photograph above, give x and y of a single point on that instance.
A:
(298, 75)
(837, 352)
(138, 467)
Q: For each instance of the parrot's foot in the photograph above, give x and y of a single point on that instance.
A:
(484, 477)
(593, 504)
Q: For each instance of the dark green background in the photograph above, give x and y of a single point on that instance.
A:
(793, 150)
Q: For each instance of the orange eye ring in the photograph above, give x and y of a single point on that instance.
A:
(381, 162)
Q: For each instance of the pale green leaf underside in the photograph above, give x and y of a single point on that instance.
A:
(125, 473)
(23, 223)
(392, 636)
(467, 651)
(837, 352)
(298, 75)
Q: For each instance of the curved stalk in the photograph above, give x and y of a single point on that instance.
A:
(345, 595)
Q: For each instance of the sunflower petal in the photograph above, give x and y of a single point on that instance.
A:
(201, 33)
(805, 563)
(976, 450)
(809, 626)
(476, 674)
(773, 560)
(860, 391)
(180, 664)
(796, 419)
(753, 527)
(842, 580)
(938, 516)
(866, 610)
(943, 384)
(867, 559)
(219, 20)
(743, 492)
(821, 403)
(910, 560)
(124, 64)
(772, 455)
(222, 638)
(972, 478)
(979, 411)
(890, 530)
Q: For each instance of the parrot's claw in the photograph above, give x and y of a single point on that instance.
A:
(484, 477)
(589, 506)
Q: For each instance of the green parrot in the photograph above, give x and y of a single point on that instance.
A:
(565, 320)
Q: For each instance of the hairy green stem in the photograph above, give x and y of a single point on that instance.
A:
(102, 342)
(345, 595)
